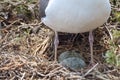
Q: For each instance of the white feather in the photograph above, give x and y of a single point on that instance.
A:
(76, 16)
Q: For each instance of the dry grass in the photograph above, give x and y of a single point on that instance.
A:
(27, 53)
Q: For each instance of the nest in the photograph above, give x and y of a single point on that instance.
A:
(27, 52)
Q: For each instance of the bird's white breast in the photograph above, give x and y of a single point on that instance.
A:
(76, 16)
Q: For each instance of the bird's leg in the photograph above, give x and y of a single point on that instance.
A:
(91, 40)
(56, 42)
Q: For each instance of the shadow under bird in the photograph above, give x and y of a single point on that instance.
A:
(74, 16)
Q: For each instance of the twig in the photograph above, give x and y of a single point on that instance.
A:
(9, 26)
(109, 32)
(90, 70)
(23, 76)
(4, 38)
(43, 46)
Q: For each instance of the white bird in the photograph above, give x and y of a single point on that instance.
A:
(74, 16)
